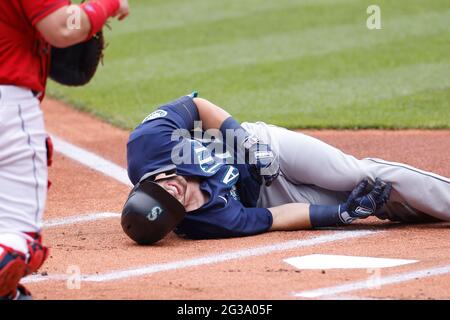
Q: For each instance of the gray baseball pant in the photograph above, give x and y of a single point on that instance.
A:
(317, 173)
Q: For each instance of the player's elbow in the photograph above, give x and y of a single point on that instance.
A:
(55, 29)
(60, 38)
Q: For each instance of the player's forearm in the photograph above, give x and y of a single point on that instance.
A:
(299, 216)
(58, 30)
(359, 205)
(212, 116)
(290, 217)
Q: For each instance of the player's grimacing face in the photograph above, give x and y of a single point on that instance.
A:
(175, 185)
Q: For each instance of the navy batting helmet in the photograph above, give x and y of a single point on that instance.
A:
(150, 212)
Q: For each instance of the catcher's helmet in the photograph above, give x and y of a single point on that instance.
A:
(150, 212)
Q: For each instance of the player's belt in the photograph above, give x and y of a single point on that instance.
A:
(36, 94)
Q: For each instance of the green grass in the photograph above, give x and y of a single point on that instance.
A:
(294, 63)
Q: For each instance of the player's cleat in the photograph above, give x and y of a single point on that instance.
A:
(13, 267)
(21, 293)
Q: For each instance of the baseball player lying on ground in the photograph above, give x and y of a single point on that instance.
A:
(197, 171)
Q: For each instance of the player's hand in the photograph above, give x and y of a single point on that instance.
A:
(362, 204)
(262, 159)
(124, 10)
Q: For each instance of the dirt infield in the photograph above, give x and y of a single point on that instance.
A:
(112, 267)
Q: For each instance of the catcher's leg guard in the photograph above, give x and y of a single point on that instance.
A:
(37, 254)
(12, 268)
(14, 265)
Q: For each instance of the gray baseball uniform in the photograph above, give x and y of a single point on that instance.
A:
(317, 173)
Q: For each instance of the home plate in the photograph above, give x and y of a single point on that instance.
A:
(325, 261)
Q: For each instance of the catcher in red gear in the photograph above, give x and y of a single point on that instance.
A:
(30, 32)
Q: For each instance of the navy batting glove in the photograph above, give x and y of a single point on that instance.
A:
(263, 161)
(361, 204)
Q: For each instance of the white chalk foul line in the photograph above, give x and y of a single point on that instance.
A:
(91, 160)
(80, 219)
(211, 259)
(373, 283)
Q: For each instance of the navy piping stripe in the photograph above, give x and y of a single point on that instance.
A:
(38, 206)
(190, 115)
(410, 169)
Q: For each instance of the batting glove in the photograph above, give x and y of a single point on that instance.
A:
(362, 204)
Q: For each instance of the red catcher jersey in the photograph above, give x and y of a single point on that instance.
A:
(24, 55)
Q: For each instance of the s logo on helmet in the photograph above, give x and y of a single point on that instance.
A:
(155, 115)
(154, 214)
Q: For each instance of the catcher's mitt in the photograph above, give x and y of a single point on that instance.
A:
(77, 64)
